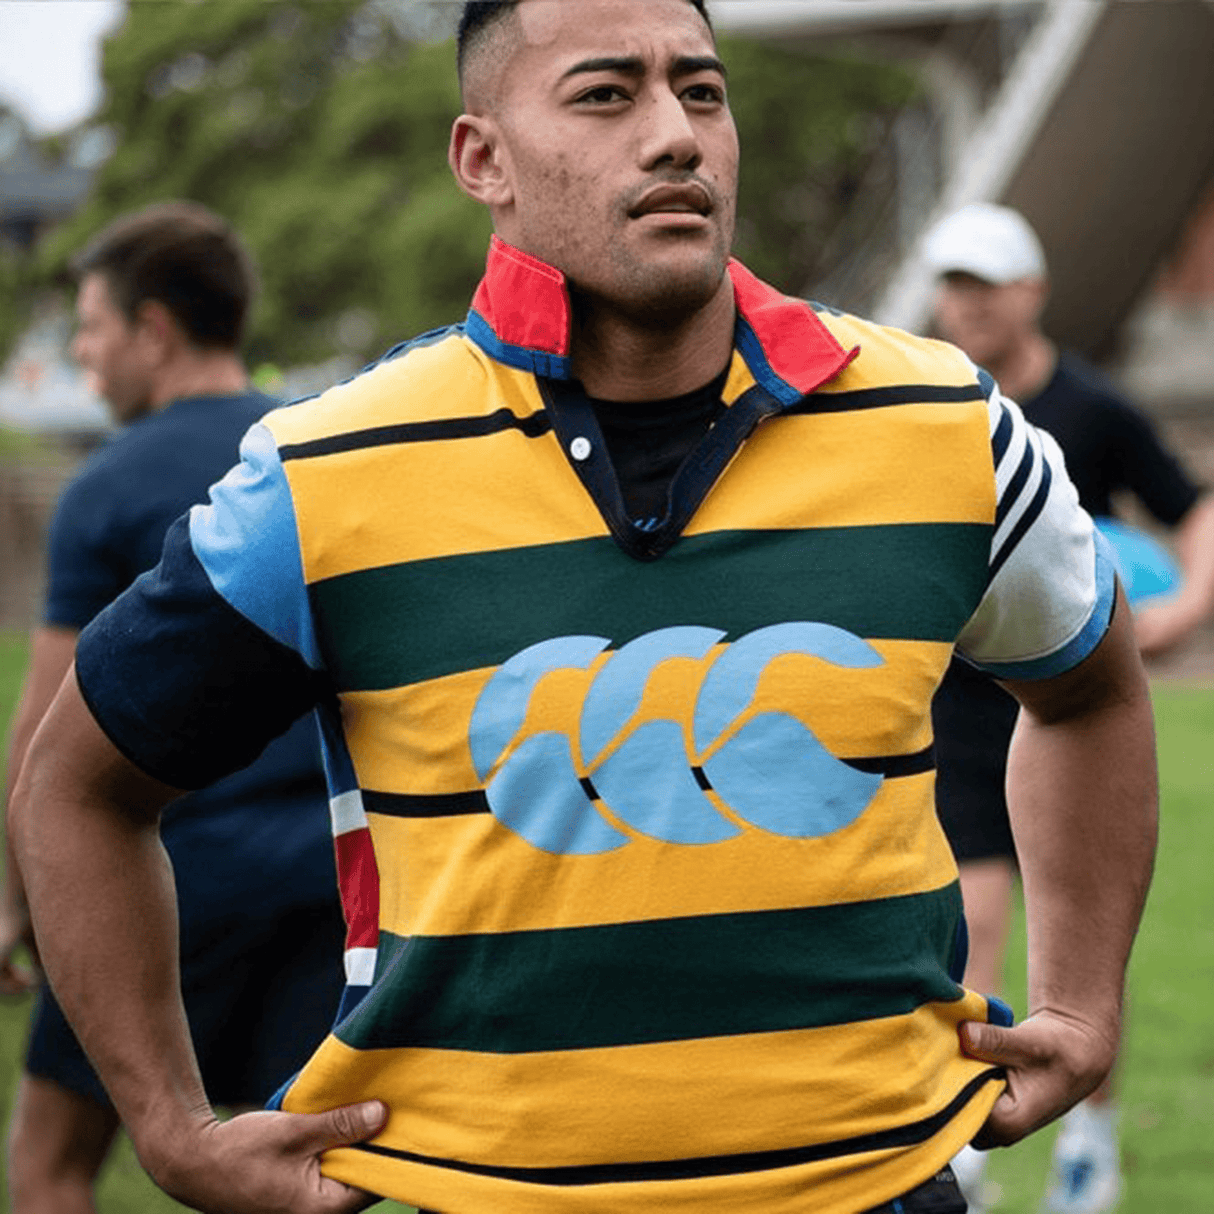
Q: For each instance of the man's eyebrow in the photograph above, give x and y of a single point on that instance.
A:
(633, 65)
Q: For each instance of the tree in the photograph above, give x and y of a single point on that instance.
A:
(319, 129)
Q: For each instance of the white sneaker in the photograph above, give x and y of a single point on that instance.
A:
(1086, 1173)
(969, 1166)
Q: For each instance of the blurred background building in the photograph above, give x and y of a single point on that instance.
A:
(319, 130)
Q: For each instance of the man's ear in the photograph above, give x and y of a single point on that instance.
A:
(158, 328)
(477, 158)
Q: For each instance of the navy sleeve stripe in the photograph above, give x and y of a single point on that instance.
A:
(1015, 485)
(1002, 436)
(1027, 519)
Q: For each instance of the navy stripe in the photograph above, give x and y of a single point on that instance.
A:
(986, 381)
(533, 426)
(453, 804)
(1008, 498)
(1002, 437)
(881, 398)
(432, 805)
(713, 1165)
(895, 766)
(1026, 521)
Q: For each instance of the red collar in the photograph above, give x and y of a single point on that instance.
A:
(521, 315)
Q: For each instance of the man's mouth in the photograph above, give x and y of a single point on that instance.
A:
(684, 198)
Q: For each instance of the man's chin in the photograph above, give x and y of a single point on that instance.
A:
(668, 288)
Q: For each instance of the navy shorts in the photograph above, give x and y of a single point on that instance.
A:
(260, 994)
(972, 719)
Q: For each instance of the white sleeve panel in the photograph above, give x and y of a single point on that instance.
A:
(1050, 596)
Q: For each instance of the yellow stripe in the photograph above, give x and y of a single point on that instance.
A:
(414, 387)
(802, 469)
(665, 1101)
(793, 471)
(383, 505)
(465, 874)
(889, 357)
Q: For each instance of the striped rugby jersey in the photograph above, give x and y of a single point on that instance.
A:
(648, 904)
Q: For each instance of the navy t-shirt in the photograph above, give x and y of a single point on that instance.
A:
(259, 840)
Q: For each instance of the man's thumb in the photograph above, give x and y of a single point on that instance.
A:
(988, 1042)
(352, 1123)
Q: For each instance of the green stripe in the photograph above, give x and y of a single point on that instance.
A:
(669, 980)
(400, 624)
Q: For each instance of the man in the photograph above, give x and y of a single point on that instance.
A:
(162, 301)
(624, 660)
(991, 292)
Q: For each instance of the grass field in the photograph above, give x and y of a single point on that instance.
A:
(1168, 1075)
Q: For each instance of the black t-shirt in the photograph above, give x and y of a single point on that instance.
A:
(1108, 444)
(649, 440)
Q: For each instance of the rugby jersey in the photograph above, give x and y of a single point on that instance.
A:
(648, 903)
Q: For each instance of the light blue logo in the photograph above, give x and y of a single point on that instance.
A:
(771, 772)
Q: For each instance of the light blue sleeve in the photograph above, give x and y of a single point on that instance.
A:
(247, 541)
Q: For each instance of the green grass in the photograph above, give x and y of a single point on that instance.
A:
(1167, 1078)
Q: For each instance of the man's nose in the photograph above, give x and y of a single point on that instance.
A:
(670, 136)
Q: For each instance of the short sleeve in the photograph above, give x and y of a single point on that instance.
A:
(1049, 597)
(205, 659)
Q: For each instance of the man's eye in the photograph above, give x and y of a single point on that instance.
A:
(705, 93)
(604, 94)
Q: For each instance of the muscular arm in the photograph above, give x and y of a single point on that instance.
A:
(1082, 796)
(1158, 627)
(51, 652)
(83, 821)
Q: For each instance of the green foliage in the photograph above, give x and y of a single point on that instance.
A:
(320, 132)
(16, 289)
(808, 125)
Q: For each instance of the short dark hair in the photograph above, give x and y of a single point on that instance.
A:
(183, 256)
(479, 13)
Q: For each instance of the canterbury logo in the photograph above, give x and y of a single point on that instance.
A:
(771, 772)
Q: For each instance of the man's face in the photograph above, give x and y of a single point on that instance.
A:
(987, 321)
(112, 350)
(621, 151)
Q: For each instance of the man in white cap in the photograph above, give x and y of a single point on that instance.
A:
(992, 286)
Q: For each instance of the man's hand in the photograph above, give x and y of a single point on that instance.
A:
(15, 932)
(1162, 626)
(1052, 1061)
(268, 1163)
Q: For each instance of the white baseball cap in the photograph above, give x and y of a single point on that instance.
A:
(990, 242)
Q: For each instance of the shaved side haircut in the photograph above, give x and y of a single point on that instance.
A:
(480, 16)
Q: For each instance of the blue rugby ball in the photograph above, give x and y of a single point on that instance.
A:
(1146, 568)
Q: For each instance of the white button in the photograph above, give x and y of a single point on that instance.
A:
(580, 449)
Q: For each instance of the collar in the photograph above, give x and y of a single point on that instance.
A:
(521, 316)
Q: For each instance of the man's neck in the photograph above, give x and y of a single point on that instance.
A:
(618, 359)
(1027, 367)
(199, 373)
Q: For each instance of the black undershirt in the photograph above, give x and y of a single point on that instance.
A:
(649, 440)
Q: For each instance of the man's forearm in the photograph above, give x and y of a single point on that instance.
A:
(1082, 792)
